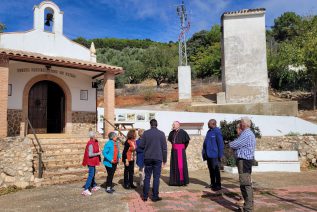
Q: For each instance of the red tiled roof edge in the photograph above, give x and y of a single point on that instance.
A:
(59, 61)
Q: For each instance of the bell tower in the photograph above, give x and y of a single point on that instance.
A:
(48, 14)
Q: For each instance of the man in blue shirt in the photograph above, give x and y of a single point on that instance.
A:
(212, 152)
(244, 147)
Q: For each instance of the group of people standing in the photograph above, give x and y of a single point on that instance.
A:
(150, 153)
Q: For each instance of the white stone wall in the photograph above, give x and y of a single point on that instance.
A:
(269, 125)
(245, 78)
(76, 80)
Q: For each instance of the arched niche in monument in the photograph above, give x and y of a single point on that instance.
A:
(48, 13)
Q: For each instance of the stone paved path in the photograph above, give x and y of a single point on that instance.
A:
(273, 192)
(297, 199)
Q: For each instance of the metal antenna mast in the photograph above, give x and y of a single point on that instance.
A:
(181, 12)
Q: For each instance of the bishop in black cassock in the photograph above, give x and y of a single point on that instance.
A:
(178, 170)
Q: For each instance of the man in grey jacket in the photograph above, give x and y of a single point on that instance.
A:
(154, 144)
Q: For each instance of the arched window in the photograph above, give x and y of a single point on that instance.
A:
(48, 20)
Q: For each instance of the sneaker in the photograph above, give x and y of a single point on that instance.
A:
(86, 193)
(109, 191)
(112, 190)
(95, 188)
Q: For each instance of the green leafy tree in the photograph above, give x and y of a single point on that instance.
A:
(204, 50)
(2, 27)
(310, 53)
(83, 42)
(129, 59)
(160, 63)
(286, 27)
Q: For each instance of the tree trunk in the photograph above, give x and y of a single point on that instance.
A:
(314, 97)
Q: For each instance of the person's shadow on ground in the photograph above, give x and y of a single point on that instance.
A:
(219, 197)
(191, 181)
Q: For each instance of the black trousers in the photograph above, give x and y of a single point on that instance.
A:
(214, 172)
(110, 172)
(128, 174)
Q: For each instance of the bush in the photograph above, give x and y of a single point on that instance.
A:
(229, 133)
(148, 94)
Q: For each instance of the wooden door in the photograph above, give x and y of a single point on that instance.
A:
(37, 110)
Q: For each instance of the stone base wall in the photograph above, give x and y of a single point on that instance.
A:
(289, 108)
(16, 161)
(83, 121)
(14, 122)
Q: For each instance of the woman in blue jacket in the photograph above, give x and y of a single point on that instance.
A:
(111, 153)
(212, 152)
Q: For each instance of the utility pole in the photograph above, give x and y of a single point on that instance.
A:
(184, 71)
(184, 27)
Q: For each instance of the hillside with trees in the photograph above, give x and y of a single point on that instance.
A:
(291, 55)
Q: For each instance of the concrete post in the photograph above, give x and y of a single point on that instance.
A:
(109, 101)
(184, 84)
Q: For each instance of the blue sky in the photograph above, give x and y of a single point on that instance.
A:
(141, 19)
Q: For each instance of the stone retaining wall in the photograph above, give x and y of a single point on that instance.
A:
(16, 161)
(83, 121)
(305, 145)
(14, 122)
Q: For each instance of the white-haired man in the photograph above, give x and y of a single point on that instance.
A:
(244, 147)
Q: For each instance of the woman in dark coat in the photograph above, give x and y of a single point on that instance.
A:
(178, 165)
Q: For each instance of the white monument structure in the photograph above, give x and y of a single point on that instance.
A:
(244, 67)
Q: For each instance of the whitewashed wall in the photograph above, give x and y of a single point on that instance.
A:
(77, 82)
(245, 77)
(48, 43)
(269, 125)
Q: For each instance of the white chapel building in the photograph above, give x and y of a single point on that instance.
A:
(47, 80)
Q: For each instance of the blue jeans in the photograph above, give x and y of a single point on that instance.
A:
(152, 166)
(91, 177)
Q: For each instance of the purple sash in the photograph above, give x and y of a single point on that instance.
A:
(179, 148)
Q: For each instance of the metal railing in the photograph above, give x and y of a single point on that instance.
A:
(116, 128)
(38, 151)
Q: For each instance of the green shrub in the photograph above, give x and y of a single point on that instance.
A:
(293, 133)
(229, 133)
(148, 94)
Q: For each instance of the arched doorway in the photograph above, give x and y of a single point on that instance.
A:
(46, 107)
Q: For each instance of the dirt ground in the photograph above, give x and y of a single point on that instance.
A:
(273, 192)
(166, 99)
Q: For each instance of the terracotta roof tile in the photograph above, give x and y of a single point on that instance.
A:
(59, 61)
(244, 12)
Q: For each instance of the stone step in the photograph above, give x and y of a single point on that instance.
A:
(277, 166)
(64, 152)
(79, 176)
(73, 171)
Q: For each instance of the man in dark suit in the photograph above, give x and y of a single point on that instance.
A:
(154, 144)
